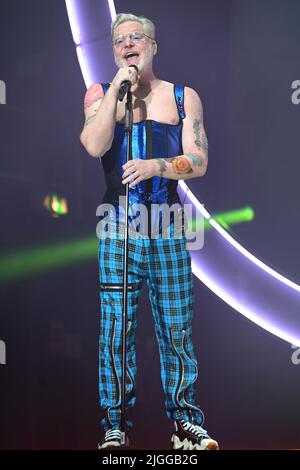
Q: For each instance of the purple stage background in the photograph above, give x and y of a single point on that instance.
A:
(242, 58)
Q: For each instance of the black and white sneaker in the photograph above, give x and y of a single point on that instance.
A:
(190, 436)
(113, 439)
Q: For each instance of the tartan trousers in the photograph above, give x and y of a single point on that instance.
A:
(165, 264)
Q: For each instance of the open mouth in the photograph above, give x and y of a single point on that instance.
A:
(131, 57)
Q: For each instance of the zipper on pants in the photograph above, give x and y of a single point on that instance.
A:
(115, 287)
(114, 369)
(189, 405)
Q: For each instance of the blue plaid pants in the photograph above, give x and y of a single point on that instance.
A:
(165, 264)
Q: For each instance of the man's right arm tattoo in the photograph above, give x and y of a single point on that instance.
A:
(89, 119)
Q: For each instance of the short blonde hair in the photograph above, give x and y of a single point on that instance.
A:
(147, 24)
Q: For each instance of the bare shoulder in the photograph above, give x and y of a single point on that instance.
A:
(188, 91)
(192, 100)
(191, 94)
(93, 94)
(165, 86)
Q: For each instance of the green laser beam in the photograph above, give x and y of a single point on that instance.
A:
(26, 262)
(23, 263)
(246, 214)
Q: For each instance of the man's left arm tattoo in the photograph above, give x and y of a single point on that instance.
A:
(196, 159)
(200, 141)
(162, 166)
(180, 165)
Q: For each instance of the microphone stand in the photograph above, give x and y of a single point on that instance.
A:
(128, 130)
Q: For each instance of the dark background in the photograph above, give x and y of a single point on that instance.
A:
(242, 58)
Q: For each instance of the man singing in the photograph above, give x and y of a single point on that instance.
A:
(168, 144)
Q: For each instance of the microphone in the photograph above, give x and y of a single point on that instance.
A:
(126, 85)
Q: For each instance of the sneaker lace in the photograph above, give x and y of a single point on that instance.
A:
(195, 429)
(113, 434)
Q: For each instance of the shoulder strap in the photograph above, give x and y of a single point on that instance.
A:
(178, 93)
(179, 97)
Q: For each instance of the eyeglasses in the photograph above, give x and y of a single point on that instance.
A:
(135, 37)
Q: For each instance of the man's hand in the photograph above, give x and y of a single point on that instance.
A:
(138, 170)
(124, 73)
